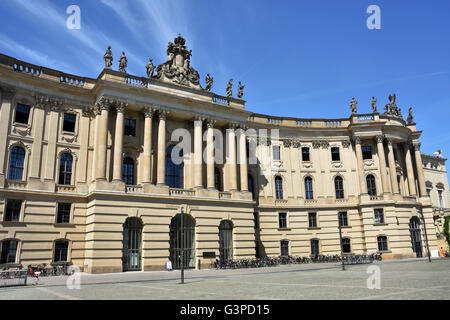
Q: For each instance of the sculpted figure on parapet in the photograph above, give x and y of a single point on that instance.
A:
(391, 108)
(230, 88)
(123, 62)
(209, 82)
(240, 90)
(410, 118)
(108, 58)
(374, 105)
(353, 104)
(150, 68)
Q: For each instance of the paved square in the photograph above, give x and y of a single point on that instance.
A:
(412, 279)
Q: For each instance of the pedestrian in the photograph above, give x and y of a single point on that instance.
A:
(442, 253)
(169, 265)
(36, 277)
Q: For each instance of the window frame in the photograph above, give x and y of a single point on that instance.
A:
(129, 131)
(16, 253)
(282, 219)
(65, 173)
(125, 172)
(14, 147)
(335, 156)
(386, 243)
(55, 243)
(308, 153)
(16, 113)
(311, 246)
(349, 244)
(309, 193)
(365, 152)
(58, 213)
(339, 192)
(374, 186)
(343, 217)
(286, 246)
(19, 219)
(314, 219)
(278, 148)
(278, 188)
(74, 115)
(376, 218)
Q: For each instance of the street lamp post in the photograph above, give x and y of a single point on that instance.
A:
(340, 240)
(182, 246)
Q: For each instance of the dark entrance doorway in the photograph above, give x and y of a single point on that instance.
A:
(132, 244)
(189, 241)
(225, 241)
(416, 239)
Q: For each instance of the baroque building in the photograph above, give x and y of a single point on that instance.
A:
(92, 173)
(436, 182)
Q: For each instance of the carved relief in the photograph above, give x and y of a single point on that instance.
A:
(346, 143)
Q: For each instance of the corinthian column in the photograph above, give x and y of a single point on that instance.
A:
(243, 160)
(231, 157)
(409, 169)
(198, 146)
(382, 160)
(359, 159)
(210, 154)
(102, 135)
(118, 142)
(392, 169)
(420, 176)
(162, 147)
(5, 111)
(148, 129)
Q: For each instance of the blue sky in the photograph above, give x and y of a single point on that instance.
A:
(302, 59)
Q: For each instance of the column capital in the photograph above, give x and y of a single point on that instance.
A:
(416, 145)
(121, 106)
(7, 93)
(199, 117)
(163, 114)
(379, 138)
(149, 112)
(389, 142)
(233, 125)
(104, 104)
(210, 123)
(346, 143)
(356, 139)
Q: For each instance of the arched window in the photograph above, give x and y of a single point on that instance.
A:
(251, 185)
(174, 172)
(309, 195)
(218, 179)
(65, 169)
(128, 171)
(346, 246)
(279, 188)
(132, 244)
(189, 241)
(16, 162)
(371, 186)
(225, 241)
(339, 187)
(60, 253)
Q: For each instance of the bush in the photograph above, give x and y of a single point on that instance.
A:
(446, 229)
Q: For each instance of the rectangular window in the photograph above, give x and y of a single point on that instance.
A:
(284, 244)
(61, 248)
(382, 243)
(441, 203)
(314, 247)
(367, 152)
(379, 216)
(130, 127)
(343, 222)
(22, 113)
(69, 122)
(305, 154)
(335, 154)
(346, 247)
(276, 153)
(9, 252)
(282, 220)
(13, 208)
(312, 218)
(63, 213)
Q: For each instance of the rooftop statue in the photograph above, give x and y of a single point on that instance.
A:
(177, 68)
(123, 62)
(108, 58)
(150, 68)
(209, 82)
(240, 90)
(391, 108)
(410, 118)
(374, 105)
(353, 104)
(230, 88)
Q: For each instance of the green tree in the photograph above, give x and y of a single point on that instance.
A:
(446, 229)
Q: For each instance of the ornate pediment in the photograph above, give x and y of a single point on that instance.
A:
(177, 68)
